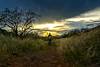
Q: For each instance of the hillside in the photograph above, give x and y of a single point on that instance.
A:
(82, 50)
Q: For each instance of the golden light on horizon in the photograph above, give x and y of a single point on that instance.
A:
(46, 33)
(49, 28)
(54, 28)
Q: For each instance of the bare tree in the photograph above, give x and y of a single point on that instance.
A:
(19, 21)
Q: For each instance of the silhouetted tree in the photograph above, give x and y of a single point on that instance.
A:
(17, 20)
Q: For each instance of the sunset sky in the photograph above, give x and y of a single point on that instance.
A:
(60, 14)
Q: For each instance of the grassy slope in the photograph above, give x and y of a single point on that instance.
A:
(79, 50)
(83, 49)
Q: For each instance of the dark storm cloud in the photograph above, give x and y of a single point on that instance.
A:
(57, 8)
(66, 8)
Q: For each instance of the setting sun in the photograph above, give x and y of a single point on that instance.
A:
(46, 33)
(50, 26)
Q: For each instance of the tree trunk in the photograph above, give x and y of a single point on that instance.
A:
(15, 32)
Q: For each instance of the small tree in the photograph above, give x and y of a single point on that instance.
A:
(19, 21)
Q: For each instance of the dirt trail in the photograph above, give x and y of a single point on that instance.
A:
(49, 58)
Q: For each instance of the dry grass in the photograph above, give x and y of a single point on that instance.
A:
(81, 50)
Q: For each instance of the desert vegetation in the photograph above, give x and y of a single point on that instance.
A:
(82, 50)
(21, 47)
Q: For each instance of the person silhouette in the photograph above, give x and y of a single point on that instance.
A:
(49, 39)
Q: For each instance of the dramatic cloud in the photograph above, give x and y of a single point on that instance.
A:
(54, 9)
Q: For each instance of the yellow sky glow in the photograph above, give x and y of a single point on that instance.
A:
(56, 26)
(48, 26)
(90, 16)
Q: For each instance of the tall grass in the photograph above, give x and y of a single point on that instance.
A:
(82, 50)
(10, 47)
